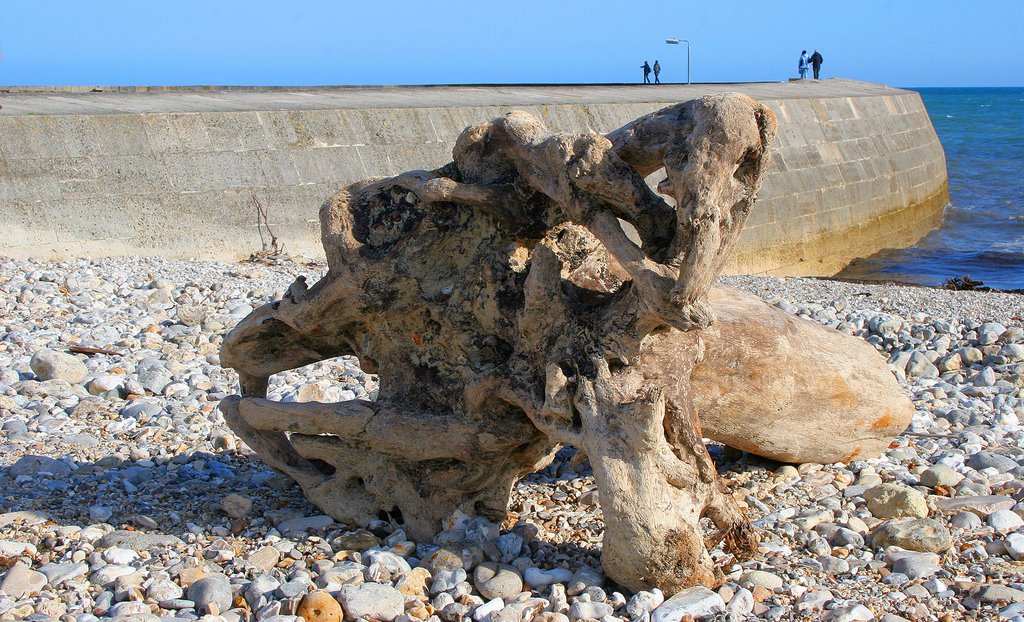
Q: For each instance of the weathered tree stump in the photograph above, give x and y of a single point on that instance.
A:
(535, 291)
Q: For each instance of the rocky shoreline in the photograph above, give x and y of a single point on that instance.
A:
(123, 495)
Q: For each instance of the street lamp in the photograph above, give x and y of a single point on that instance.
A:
(677, 42)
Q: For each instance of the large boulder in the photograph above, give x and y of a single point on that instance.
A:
(788, 389)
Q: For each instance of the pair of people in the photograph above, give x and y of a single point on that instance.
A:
(647, 72)
(814, 62)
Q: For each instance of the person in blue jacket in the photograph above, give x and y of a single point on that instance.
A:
(805, 61)
(647, 72)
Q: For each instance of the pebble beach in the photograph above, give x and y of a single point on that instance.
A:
(124, 495)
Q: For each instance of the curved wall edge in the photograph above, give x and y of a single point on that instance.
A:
(850, 175)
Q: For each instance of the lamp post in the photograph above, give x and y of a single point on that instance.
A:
(677, 42)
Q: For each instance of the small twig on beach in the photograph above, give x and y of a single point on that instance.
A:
(91, 351)
(262, 222)
(926, 435)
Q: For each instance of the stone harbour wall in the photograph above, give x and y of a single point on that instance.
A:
(850, 175)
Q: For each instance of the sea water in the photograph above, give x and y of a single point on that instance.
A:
(982, 232)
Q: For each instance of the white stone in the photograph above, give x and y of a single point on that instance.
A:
(164, 590)
(934, 586)
(767, 580)
(644, 602)
(814, 601)
(394, 564)
(10, 548)
(584, 577)
(989, 333)
(538, 578)
(1007, 417)
(306, 523)
(106, 382)
(852, 613)
(585, 610)
(920, 366)
(1004, 520)
(1014, 545)
(51, 365)
(483, 611)
(980, 505)
(117, 555)
(130, 610)
(20, 581)
(372, 601)
(985, 378)
(912, 563)
(109, 573)
(940, 475)
(1013, 351)
(741, 604)
(699, 602)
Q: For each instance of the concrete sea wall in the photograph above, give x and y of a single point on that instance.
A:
(853, 172)
(850, 176)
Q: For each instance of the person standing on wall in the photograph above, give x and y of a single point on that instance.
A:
(647, 72)
(657, 72)
(816, 61)
(803, 64)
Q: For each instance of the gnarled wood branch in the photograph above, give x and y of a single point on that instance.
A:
(506, 311)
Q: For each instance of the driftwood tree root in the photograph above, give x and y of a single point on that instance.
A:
(535, 291)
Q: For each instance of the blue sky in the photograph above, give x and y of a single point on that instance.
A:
(229, 42)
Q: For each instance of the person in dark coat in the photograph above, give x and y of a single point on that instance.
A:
(647, 72)
(657, 72)
(816, 61)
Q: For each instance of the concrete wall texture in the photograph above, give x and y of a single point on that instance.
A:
(855, 169)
